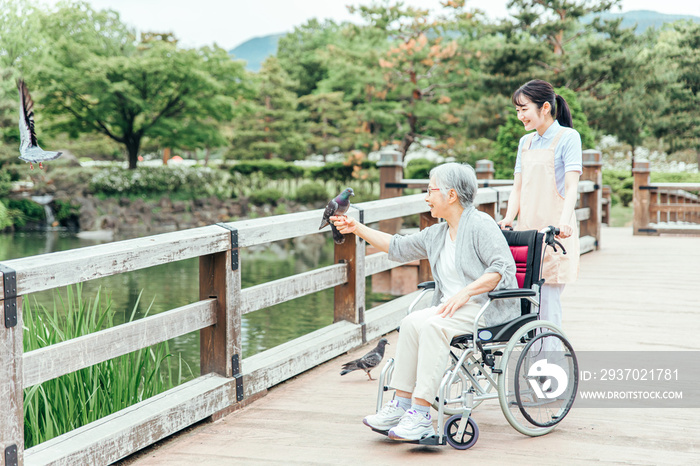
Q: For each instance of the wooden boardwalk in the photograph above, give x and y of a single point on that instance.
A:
(630, 294)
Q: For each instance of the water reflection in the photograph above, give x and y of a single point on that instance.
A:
(168, 286)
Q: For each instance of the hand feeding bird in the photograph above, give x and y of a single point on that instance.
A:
(337, 206)
(367, 362)
(29, 149)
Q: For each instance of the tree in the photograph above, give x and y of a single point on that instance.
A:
(677, 122)
(399, 72)
(331, 122)
(100, 80)
(270, 125)
(299, 53)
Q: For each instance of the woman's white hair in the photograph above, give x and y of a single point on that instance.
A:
(458, 176)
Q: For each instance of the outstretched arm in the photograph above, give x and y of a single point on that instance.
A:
(376, 238)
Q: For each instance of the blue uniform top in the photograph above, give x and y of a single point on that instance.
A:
(567, 155)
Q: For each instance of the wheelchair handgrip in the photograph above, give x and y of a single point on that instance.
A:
(427, 285)
(514, 293)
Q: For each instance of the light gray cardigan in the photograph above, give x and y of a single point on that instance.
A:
(480, 248)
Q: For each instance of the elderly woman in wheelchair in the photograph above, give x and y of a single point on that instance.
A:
(474, 268)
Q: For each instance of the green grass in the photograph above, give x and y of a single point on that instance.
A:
(621, 216)
(60, 405)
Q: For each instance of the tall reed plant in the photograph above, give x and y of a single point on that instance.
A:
(65, 403)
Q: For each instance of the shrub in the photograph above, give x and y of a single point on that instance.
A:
(274, 169)
(266, 196)
(419, 169)
(5, 183)
(310, 193)
(5, 217)
(194, 182)
(27, 211)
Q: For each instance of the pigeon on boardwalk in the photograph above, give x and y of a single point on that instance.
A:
(368, 361)
(337, 206)
(29, 150)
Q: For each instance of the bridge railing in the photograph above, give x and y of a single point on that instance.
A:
(664, 207)
(227, 381)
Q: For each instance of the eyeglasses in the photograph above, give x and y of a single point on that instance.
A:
(429, 190)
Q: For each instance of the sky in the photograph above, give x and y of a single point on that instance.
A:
(228, 23)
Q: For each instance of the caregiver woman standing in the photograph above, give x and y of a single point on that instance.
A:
(545, 187)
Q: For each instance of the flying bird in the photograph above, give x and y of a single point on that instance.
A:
(29, 149)
(337, 206)
(367, 362)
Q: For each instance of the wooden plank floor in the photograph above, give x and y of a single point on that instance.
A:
(631, 292)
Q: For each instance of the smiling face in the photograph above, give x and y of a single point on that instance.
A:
(437, 201)
(533, 117)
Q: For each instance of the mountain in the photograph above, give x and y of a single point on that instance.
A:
(255, 51)
(644, 19)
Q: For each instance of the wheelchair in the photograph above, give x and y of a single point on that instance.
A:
(526, 363)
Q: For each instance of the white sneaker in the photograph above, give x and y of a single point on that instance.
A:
(412, 426)
(386, 418)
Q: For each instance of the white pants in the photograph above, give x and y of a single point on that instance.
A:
(550, 309)
(423, 348)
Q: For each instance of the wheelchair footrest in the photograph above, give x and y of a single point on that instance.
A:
(430, 440)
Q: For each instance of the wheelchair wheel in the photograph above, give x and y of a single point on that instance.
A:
(537, 392)
(548, 398)
(468, 437)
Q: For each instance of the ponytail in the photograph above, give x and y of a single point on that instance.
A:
(539, 92)
(563, 114)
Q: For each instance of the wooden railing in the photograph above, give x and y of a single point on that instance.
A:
(493, 194)
(664, 207)
(226, 379)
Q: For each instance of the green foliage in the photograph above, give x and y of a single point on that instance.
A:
(269, 125)
(5, 183)
(274, 169)
(146, 181)
(677, 177)
(506, 147)
(60, 405)
(311, 193)
(27, 211)
(580, 121)
(418, 169)
(266, 196)
(65, 210)
(621, 184)
(6, 220)
(109, 83)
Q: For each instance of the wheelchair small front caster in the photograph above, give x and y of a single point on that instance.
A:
(467, 439)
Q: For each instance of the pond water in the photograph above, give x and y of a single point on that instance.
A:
(172, 285)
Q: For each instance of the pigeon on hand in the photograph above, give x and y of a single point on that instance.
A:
(337, 206)
(368, 361)
(29, 150)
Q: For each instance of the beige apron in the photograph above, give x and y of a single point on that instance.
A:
(541, 205)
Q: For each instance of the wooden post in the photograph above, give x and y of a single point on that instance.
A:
(681, 199)
(220, 344)
(424, 272)
(607, 196)
(664, 200)
(484, 169)
(641, 197)
(390, 171)
(11, 352)
(350, 297)
(592, 164)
